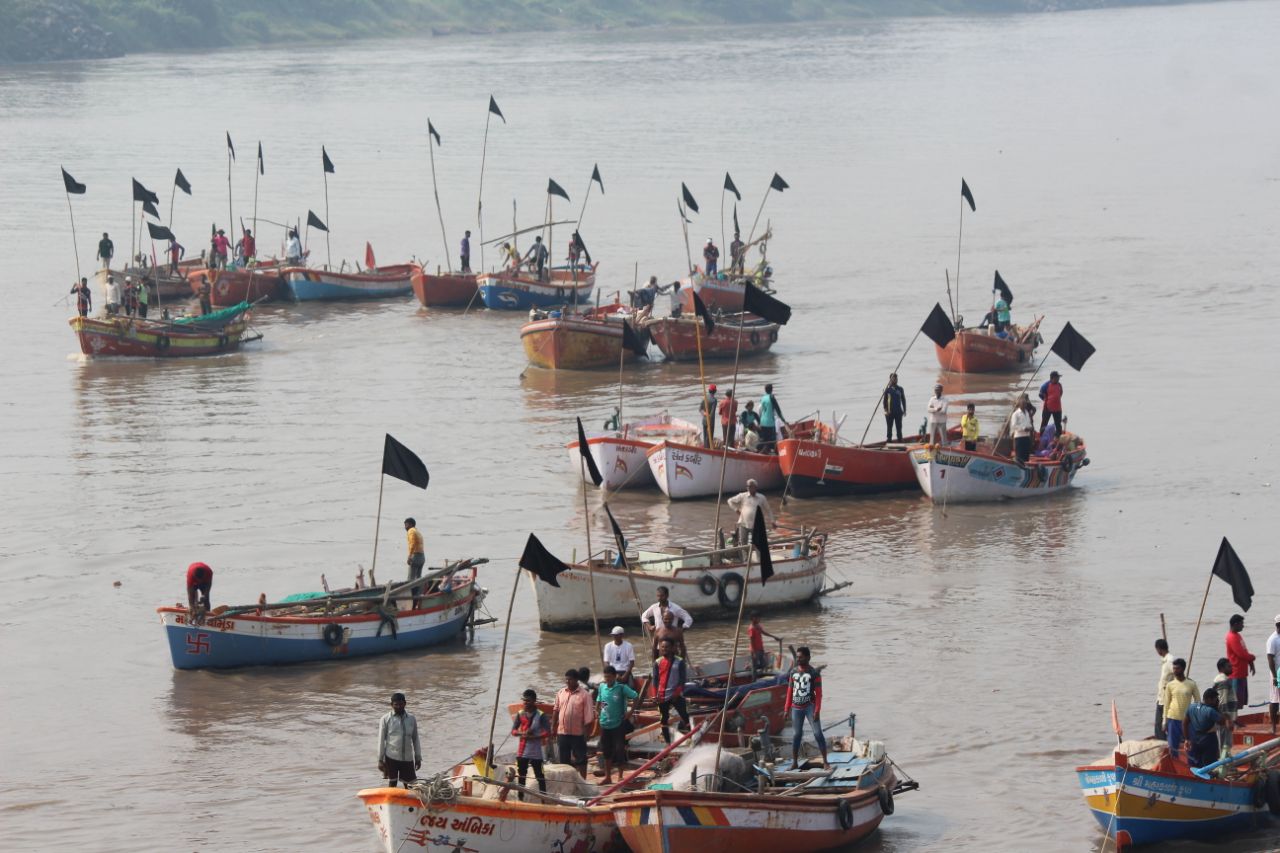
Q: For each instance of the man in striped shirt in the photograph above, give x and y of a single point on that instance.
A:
(669, 675)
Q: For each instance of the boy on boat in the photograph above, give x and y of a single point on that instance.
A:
(1226, 690)
(668, 678)
(804, 702)
(399, 752)
(759, 658)
(611, 704)
(532, 728)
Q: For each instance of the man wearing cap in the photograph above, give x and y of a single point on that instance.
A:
(707, 412)
(937, 416)
(1242, 660)
(747, 504)
(399, 753)
(620, 655)
(199, 582)
(1273, 659)
(1051, 393)
(711, 255)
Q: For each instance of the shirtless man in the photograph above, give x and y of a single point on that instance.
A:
(673, 631)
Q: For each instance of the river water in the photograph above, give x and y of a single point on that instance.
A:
(1127, 178)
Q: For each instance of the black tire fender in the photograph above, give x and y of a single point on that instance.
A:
(708, 585)
(755, 339)
(1272, 791)
(885, 796)
(844, 814)
(222, 341)
(333, 635)
(162, 343)
(726, 580)
(773, 336)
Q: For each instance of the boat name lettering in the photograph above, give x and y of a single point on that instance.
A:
(681, 456)
(216, 624)
(955, 460)
(1095, 780)
(814, 453)
(472, 825)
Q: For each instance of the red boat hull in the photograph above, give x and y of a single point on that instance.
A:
(132, 338)
(444, 290)
(231, 287)
(816, 469)
(973, 351)
(678, 338)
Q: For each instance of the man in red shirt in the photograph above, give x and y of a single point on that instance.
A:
(728, 417)
(669, 675)
(756, 634)
(1241, 661)
(1051, 393)
(199, 582)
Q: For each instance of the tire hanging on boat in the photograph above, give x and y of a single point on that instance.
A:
(885, 796)
(844, 814)
(755, 339)
(708, 585)
(1272, 791)
(162, 343)
(773, 336)
(333, 634)
(726, 580)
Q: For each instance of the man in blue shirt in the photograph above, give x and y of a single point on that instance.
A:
(1203, 721)
(770, 414)
(466, 252)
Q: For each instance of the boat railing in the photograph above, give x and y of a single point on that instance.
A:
(801, 537)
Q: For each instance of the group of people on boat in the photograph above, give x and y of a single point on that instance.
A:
(1050, 442)
(759, 425)
(132, 299)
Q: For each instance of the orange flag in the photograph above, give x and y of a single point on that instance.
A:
(1115, 722)
(368, 256)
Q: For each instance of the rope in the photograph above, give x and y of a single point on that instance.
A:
(435, 790)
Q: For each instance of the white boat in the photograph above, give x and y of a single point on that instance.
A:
(955, 475)
(687, 470)
(707, 583)
(620, 454)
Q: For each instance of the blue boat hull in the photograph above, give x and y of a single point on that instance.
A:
(319, 285)
(507, 297)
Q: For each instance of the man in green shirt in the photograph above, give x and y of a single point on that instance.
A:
(611, 703)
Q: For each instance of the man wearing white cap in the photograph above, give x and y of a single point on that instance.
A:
(747, 504)
(1273, 658)
(711, 257)
(620, 655)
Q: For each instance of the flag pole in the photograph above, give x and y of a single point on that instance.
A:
(591, 574)
(733, 657)
(256, 172)
(377, 524)
(722, 241)
(230, 219)
(173, 193)
(435, 190)
(724, 455)
(133, 232)
(484, 151)
(1192, 654)
(880, 400)
(328, 255)
(585, 196)
(74, 242)
(959, 242)
(758, 212)
(502, 665)
(688, 255)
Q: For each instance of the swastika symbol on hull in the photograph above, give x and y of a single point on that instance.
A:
(198, 644)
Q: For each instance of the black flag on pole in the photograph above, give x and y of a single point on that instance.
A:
(760, 541)
(617, 536)
(585, 451)
(180, 181)
(159, 232)
(402, 463)
(555, 189)
(1228, 567)
(71, 184)
(728, 185)
(595, 176)
(968, 196)
(778, 184)
(261, 169)
(431, 129)
(493, 108)
(150, 209)
(937, 326)
(736, 229)
(631, 340)
(1071, 347)
(325, 161)
(1005, 292)
(700, 309)
(756, 301)
(537, 559)
(689, 201)
(231, 149)
(141, 193)
(314, 221)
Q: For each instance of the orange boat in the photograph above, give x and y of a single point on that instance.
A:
(259, 283)
(983, 351)
(678, 337)
(821, 467)
(561, 341)
(443, 290)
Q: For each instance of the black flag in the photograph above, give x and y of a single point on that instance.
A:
(141, 193)
(537, 559)
(261, 170)
(231, 149)
(1005, 292)
(313, 221)
(159, 232)
(631, 340)
(937, 326)
(689, 200)
(728, 185)
(760, 541)
(617, 536)
(402, 463)
(736, 229)
(149, 208)
(595, 176)
(555, 189)
(71, 184)
(700, 308)
(1072, 348)
(431, 129)
(1228, 567)
(325, 161)
(968, 196)
(778, 184)
(585, 451)
(180, 181)
(493, 108)
(756, 301)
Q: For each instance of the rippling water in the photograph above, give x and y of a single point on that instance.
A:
(1127, 179)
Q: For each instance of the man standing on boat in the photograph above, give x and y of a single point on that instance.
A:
(755, 636)
(206, 291)
(106, 250)
(895, 407)
(464, 254)
(1166, 675)
(620, 655)
(671, 630)
(1020, 426)
(770, 415)
(728, 410)
(532, 728)
(536, 257)
(706, 412)
(1273, 660)
(969, 428)
(113, 296)
(747, 504)
(417, 556)
(1178, 695)
(221, 248)
(399, 752)
(652, 618)
(84, 297)
(571, 721)
(1051, 393)
(804, 702)
(936, 412)
(737, 253)
(611, 700)
(1204, 719)
(668, 678)
(510, 257)
(176, 251)
(293, 249)
(1242, 661)
(711, 258)
(248, 246)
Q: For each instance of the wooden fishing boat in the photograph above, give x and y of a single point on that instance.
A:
(348, 624)
(689, 470)
(302, 284)
(955, 475)
(253, 284)
(162, 286)
(706, 582)
(679, 338)
(133, 337)
(566, 340)
(514, 290)
(725, 291)
(620, 454)
(443, 290)
(983, 351)
(821, 466)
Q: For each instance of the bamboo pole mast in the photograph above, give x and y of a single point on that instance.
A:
(591, 573)
(502, 665)
(733, 657)
(435, 190)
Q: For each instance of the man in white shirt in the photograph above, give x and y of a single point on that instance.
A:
(293, 250)
(1020, 428)
(113, 296)
(1166, 673)
(399, 753)
(937, 416)
(747, 504)
(651, 619)
(1273, 660)
(620, 655)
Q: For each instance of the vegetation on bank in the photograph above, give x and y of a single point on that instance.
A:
(42, 30)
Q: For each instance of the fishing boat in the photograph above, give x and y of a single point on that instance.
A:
(231, 286)
(685, 469)
(133, 337)
(443, 290)
(724, 291)
(986, 351)
(302, 284)
(708, 583)
(1140, 794)
(515, 290)
(327, 626)
(681, 339)
(954, 475)
(619, 454)
(823, 466)
(162, 285)
(569, 340)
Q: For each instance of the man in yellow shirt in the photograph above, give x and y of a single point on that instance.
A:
(969, 428)
(417, 558)
(1179, 693)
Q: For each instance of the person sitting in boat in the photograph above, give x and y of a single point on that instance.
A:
(1048, 447)
(199, 583)
(749, 420)
(1203, 721)
(536, 258)
(293, 249)
(751, 438)
(532, 728)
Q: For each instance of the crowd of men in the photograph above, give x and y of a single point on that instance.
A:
(759, 424)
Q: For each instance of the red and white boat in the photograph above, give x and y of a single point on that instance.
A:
(620, 454)
(443, 290)
(680, 338)
(253, 284)
(563, 340)
(820, 466)
(983, 351)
